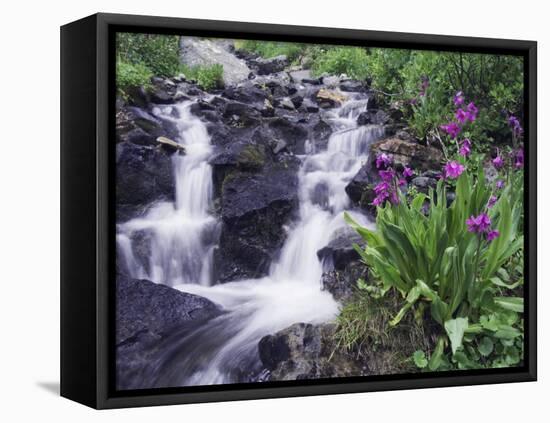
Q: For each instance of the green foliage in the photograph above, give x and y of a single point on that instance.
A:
(436, 264)
(157, 52)
(495, 81)
(130, 75)
(353, 61)
(269, 49)
(208, 77)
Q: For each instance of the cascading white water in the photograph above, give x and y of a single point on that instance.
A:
(179, 232)
(225, 349)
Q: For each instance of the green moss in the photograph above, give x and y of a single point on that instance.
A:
(252, 157)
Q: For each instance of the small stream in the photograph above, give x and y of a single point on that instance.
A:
(184, 235)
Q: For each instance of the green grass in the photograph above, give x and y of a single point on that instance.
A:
(207, 77)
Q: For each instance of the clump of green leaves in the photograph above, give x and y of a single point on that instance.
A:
(207, 77)
(159, 53)
(269, 49)
(129, 75)
(440, 268)
(352, 61)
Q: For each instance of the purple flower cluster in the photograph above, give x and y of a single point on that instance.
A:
(383, 161)
(463, 115)
(498, 162)
(465, 147)
(453, 169)
(513, 122)
(519, 158)
(481, 225)
(386, 190)
(458, 99)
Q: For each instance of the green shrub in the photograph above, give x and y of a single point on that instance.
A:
(269, 49)
(208, 77)
(130, 75)
(353, 61)
(160, 53)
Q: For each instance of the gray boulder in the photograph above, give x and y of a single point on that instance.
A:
(207, 52)
(306, 351)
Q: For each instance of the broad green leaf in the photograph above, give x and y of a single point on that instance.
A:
(455, 330)
(420, 359)
(510, 303)
(486, 346)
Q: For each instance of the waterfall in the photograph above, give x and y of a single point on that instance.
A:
(179, 236)
(225, 349)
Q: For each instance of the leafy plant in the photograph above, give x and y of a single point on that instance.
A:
(269, 49)
(436, 264)
(352, 61)
(130, 75)
(208, 77)
(159, 53)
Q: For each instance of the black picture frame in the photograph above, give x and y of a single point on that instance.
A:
(87, 193)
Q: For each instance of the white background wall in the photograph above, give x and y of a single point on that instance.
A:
(29, 227)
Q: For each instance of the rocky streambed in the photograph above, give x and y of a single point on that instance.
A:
(233, 257)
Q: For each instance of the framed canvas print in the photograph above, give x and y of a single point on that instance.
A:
(255, 211)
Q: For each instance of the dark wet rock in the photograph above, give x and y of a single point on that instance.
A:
(340, 252)
(357, 187)
(342, 284)
(320, 134)
(271, 65)
(297, 100)
(424, 183)
(364, 118)
(306, 351)
(143, 176)
(248, 93)
(145, 314)
(292, 133)
(241, 115)
(352, 86)
(138, 126)
(254, 208)
(137, 96)
(378, 117)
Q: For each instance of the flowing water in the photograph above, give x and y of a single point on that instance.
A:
(183, 234)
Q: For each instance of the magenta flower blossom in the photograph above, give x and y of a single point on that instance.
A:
(383, 161)
(402, 182)
(498, 162)
(461, 115)
(499, 184)
(465, 147)
(492, 235)
(478, 224)
(471, 112)
(381, 188)
(453, 169)
(408, 172)
(519, 158)
(492, 201)
(452, 129)
(458, 98)
(513, 122)
(382, 191)
(386, 175)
